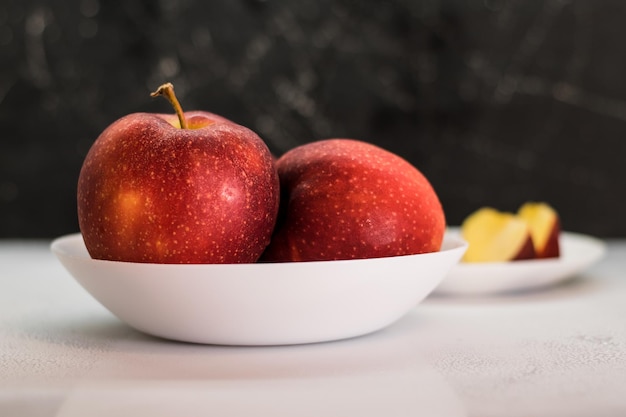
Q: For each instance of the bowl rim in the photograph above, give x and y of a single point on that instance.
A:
(60, 246)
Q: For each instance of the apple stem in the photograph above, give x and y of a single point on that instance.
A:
(167, 90)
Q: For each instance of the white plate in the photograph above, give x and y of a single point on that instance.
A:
(578, 252)
(260, 304)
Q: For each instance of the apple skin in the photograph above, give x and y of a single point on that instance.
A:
(347, 199)
(149, 191)
(551, 248)
(526, 251)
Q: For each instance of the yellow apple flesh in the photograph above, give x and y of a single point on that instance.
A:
(495, 236)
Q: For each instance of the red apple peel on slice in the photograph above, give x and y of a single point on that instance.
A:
(545, 228)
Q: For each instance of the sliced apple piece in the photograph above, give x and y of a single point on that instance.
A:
(545, 228)
(495, 236)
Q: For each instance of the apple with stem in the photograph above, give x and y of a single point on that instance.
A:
(192, 187)
(348, 199)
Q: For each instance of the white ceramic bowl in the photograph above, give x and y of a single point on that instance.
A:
(260, 304)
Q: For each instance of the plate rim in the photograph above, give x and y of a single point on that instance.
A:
(450, 286)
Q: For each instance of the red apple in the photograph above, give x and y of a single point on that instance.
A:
(495, 236)
(187, 188)
(347, 199)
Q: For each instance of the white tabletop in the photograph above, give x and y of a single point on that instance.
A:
(556, 352)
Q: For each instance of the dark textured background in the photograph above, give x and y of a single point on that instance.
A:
(497, 102)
